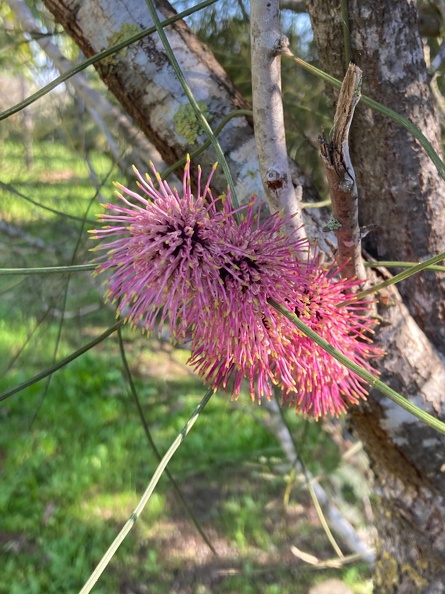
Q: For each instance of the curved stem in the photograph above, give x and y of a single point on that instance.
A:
(145, 497)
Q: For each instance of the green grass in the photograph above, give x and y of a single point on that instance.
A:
(74, 458)
(65, 186)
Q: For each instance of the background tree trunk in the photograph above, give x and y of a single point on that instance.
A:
(401, 192)
(406, 456)
(399, 188)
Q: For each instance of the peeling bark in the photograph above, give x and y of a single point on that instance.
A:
(399, 188)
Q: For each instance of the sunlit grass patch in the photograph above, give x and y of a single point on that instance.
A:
(58, 180)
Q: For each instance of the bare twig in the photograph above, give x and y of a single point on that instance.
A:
(267, 45)
(341, 178)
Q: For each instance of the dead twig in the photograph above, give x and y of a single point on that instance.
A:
(341, 178)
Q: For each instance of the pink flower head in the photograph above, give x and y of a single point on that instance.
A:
(159, 252)
(324, 386)
(210, 273)
(241, 335)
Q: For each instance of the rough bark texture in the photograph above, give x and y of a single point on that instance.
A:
(401, 192)
(399, 188)
(144, 83)
(407, 460)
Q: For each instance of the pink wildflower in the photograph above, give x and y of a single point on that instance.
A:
(159, 254)
(210, 272)
(323, 385)
(241, 335)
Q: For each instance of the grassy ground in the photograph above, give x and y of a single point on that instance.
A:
(74, 458)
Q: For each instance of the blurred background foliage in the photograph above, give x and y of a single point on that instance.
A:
(73, 455)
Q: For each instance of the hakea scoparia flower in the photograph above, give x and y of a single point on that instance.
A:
(240, 335)
(159, 252)
(209, 271)
(324, 386)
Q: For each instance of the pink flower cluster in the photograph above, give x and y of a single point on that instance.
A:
(208, 271)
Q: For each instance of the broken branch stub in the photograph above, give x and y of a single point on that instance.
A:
(341, 177)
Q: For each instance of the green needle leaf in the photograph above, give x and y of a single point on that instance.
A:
(145, 497)
(365, 375)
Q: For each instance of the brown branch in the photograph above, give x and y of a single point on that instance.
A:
(341, 178)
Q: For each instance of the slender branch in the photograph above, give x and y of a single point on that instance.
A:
(148, 435)
(267, 44)
(346, 32)
(396, 279)
(341, 178)
(47, 269)
(396, 264)
(62, 363)
(145, 497)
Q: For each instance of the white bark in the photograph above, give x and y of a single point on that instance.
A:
(267, 44)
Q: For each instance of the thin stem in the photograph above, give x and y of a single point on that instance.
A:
(346, 32)
(47, 269)
(11, 189)
(145, 497)
(62, 363)
(362, 373)
(395, 264)
(320, 204)
(152, 444)
(64, 301)
(188, 92)
(396, 279)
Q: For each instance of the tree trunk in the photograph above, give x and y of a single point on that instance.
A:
(406, 456)
(401, 192)
(399, 188)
